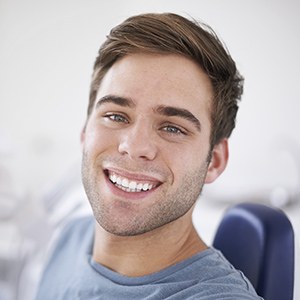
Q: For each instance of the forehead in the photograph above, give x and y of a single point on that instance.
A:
(156, 79)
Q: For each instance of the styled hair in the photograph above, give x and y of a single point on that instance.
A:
(168, 33)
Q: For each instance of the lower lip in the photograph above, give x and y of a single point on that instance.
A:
(128, 195)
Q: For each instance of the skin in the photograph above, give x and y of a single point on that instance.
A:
(150, 124)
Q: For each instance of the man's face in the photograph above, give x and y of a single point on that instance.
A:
(146, 142)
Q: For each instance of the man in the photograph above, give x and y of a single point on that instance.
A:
(162, 106)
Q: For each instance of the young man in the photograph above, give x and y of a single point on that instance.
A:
(162, 105)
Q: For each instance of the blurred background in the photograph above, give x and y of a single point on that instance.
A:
(46, 57)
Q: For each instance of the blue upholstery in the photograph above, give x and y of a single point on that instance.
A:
(259, 241)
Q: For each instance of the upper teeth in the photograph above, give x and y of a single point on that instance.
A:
(129, 185)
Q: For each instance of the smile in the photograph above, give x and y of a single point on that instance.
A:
(131, 186)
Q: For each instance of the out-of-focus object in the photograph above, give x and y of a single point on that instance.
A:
(260, 241)
(275, 181)
(11, 258)
(24, 229)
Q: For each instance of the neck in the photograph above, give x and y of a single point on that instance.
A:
(150, 252)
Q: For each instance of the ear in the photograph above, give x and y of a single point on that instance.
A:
(218, 162)
(82, 135)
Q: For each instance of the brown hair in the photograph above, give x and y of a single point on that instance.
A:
(169, 33)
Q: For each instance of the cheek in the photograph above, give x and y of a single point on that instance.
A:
(189, 153)
(181, 158)
(98, 139)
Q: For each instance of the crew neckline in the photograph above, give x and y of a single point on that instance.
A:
(146, 279)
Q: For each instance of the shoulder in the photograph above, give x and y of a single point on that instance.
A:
(77, 235)
(81, 224)
(67, 259)
(216, 278)
(75, 230)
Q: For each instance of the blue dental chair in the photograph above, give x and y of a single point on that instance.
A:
(259, 241)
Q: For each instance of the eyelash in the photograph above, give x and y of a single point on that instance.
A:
(169, 129)
(118, 118)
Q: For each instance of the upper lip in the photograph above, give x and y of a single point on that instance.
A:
(134, 175)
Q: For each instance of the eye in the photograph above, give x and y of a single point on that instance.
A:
(171, 129)
(118, 118)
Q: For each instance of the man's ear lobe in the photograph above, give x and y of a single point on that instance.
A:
(218, 162)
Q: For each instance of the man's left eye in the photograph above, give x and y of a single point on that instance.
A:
(173, 130)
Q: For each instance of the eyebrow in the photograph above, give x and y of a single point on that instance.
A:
(126, 102)
(171, 111)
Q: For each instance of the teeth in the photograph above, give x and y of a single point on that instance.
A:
(132, 185)
(113, 178)
(125, 183)
(129, 186)
(145, 187)
(139, 186)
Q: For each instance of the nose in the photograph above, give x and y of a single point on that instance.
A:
(138, 142)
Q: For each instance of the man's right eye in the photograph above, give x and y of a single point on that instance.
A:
(116, 118)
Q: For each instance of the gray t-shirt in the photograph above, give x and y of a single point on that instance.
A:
(72, 274)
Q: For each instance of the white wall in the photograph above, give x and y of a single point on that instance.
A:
(46, 56)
